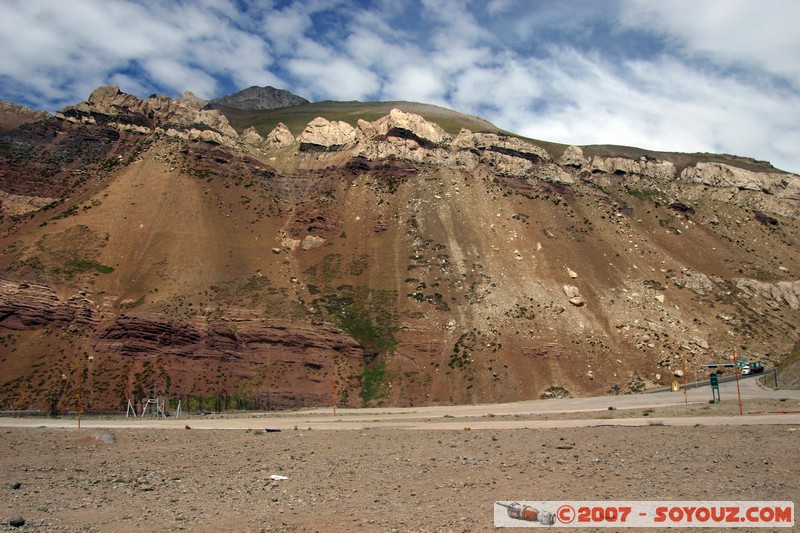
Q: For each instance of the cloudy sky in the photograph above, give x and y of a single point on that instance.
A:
(682, 75)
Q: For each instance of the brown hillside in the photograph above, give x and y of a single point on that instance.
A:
(397, 270)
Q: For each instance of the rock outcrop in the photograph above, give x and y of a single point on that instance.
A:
(407, 126)
(644, 167)
(184, 117)
(573, 157)
(136, 335)
(720, 175)
(280, 137)
(694, 281)
(323, 135)
(292, 362)
(776, 294)
(773, 192)
(16, 204)
(501, 144)
(511, 156)
(404, 136)
(26, 306)
(252, 137)
(409, 137)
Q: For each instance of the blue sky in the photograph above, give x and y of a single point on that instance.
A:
(696, 76)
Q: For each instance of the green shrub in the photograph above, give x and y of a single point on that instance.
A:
(372, 379)
(82, 265)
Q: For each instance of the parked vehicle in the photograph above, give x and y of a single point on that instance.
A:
(753, 368)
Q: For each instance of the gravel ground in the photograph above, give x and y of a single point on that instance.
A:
(375, 479)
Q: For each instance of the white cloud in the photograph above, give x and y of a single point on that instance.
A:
(334, 78)
(495, 7)
(129, 84)
(57, 52)
(455, 22)
(513, 84)
(661, 105)
(284, 27)
(378, 52)
(417, 83)
(732, 32)
(176, 77)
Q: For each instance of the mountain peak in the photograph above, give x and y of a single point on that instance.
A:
(259, 99)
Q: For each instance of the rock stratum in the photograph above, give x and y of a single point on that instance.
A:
(149, 246)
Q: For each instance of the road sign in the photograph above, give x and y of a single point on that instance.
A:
(714, 387)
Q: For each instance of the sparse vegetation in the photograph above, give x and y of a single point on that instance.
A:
(81, 265)
(372, 382)
(366, 314)
(644, 194)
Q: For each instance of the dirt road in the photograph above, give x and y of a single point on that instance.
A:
(427, 469)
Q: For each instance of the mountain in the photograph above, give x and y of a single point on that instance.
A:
(258, 99)
(13, 115)
(381, 254)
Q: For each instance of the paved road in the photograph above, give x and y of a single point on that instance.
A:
(490, 416)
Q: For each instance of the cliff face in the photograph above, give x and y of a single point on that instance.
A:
(146, 244)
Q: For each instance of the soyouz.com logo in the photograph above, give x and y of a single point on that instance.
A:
(680, 514)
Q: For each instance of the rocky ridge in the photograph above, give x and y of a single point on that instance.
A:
(184, 117)
(410, 137)
(407, 136)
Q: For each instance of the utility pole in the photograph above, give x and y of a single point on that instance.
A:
(685, 397)
(736, 373)
(333, 390)
(79, 408)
